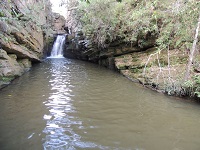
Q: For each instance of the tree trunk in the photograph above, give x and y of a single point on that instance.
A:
(187, 74)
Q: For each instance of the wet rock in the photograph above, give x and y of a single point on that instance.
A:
(108, 62)
(10, 66)
(25, 63)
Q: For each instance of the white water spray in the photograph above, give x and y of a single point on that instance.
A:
(57, 50)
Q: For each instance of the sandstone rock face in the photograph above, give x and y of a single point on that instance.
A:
(23, 27)
(19, 50)
(59, 24)
(11, 67)
(139, 61)
(87, 49)
(79, 48)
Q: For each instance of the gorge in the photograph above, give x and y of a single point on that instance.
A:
(141, 55)
(70, 104)
(61, 83)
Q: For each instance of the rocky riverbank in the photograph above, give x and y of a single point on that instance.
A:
(160, 70)
(151, 42)
(146, 47)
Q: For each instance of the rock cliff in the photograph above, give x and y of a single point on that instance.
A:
(23, 27)
(140, 62)
(58, 24)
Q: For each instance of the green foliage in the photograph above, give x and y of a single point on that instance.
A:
(197, 85)
(6, 79)
(98, 22)
(197, 79)
(106, 21)
(85, 1)
(178, 25)
(1, 13)
(172, 22)
(192, 87)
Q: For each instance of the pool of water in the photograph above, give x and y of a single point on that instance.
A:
(68, 104)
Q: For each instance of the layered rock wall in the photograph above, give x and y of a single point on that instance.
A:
(23, 26)
(80, 48)
(139, 61)
(59, 24)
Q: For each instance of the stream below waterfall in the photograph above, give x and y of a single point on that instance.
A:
(64, 104)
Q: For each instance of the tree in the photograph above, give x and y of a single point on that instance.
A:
(191, 57)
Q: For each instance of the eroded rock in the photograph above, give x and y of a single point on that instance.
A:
(9, 65)
(19, 50)
(23, 28)
(59, 24)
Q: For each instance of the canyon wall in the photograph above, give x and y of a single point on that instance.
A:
(25, 28)
(139, 61)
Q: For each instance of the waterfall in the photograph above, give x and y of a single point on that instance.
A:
(57, 50)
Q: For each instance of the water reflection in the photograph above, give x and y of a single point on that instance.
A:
(62, 119)
(67, 104)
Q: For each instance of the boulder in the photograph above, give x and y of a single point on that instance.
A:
(9, 65)
(25, 63)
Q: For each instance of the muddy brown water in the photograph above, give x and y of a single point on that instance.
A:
(64, 104)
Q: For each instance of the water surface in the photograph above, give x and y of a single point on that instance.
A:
(68, 104)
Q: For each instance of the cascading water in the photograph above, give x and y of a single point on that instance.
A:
(57, 50)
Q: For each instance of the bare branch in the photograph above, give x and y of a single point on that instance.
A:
(73, 8)
(192, 52)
